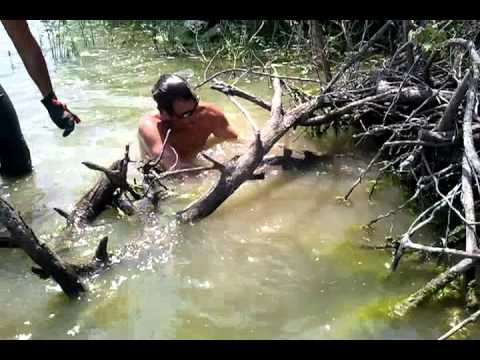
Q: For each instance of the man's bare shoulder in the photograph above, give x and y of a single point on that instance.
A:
(210, 109)
(148, 122)
(150, 118)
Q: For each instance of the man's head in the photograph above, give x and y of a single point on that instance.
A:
(174, 97)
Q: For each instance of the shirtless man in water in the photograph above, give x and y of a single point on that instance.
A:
(194, 125)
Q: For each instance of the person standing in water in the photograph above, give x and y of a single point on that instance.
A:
(194, 125)
(14, 153)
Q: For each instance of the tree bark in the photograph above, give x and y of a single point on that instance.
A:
(431, 288)
(40, 253)
(93, 202)
(319, 55)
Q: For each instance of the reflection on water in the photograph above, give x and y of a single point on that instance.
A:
(280, 259)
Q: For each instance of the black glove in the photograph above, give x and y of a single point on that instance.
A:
(59, 113)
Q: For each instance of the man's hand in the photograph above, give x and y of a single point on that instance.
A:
(60, 114)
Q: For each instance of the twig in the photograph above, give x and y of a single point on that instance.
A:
(231, 90)
(167, 136)
(405, 239)
(367, 169)
(256, 32)
(204, 59)
(322, 119)
(211, 61)
(216, 164)
(391, 212)
(358, 55)
(418, 143)
(402, 84)
(469, 207)
(460, 325)
(167, 174)
(109, 173)
(62, 213)
(245, 113)
(295, 78)
(435, 180)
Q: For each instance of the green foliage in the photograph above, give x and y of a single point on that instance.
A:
(429, 37)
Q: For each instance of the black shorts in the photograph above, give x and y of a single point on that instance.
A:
(14, 153)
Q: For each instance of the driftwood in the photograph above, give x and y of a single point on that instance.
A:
(425, 124)
(93, 202)
(109, 190)
(65, 274)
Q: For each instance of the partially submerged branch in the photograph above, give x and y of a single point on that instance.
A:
(432, 287)
(40, 253)
(460, 325)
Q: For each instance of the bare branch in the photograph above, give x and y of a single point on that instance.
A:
(231, 90)
(361, 52)
(241, 70)
(431, 288)
(460, 325)
(245, 113)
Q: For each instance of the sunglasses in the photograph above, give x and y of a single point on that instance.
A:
(189, 113)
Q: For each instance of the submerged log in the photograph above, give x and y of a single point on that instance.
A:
(40, 253)
(432, 287)
(93, 202)
(102, 194)
(6, 242)
(109, 190)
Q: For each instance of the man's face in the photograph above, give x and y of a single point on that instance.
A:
(182, 110)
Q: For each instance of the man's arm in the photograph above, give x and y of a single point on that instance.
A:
(30, 53)
(34, 62)
(222, 131)
(152, 144)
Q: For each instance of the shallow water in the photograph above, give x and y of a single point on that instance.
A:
(280, 259)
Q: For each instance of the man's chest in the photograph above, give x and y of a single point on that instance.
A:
(189, 137)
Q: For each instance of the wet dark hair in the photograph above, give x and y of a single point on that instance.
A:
(170, 88)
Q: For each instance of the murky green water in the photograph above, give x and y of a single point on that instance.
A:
(280, 259)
